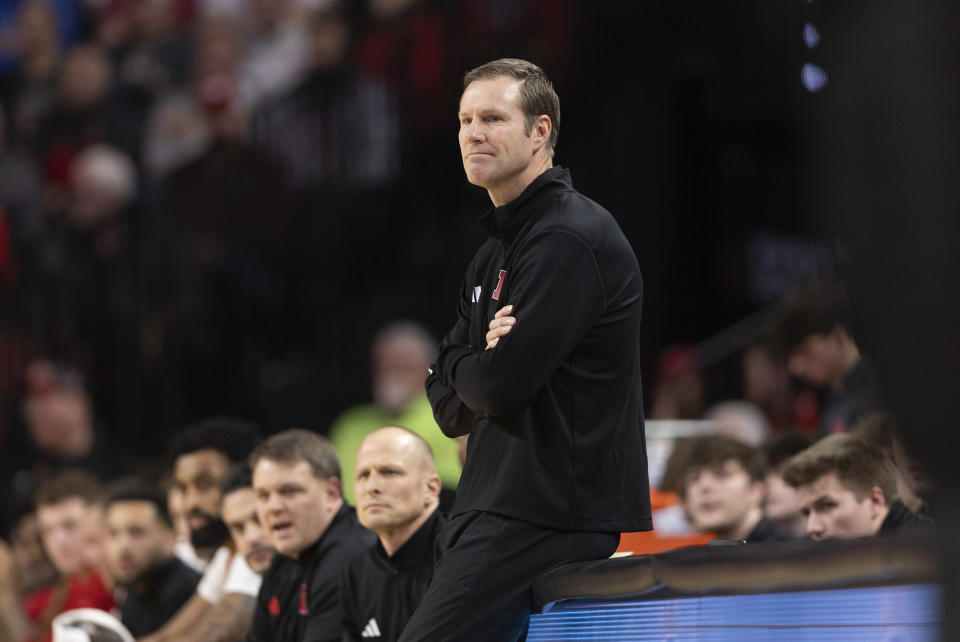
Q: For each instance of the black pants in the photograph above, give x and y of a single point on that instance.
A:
(486, 565)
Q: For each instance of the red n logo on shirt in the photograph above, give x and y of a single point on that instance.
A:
(496, 293)
(303, 600)
(274, 606)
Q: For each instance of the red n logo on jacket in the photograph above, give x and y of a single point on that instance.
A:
(496, 293)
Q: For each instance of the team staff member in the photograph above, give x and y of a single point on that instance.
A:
(296, 478)
(542, 369)
(398, 492)
(151, 581)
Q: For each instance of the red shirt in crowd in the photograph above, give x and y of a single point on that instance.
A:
(82, 591)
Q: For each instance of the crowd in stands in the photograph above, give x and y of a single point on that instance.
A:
(240, 535)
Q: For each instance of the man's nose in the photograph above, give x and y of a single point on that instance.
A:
(814, 526)
(474, 132)
(273, 503)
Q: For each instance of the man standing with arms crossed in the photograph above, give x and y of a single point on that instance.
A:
(542, 370)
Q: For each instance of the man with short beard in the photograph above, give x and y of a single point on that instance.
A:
(227, 592)
(152, 583)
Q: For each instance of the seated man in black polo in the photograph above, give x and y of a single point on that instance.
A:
(152, 583)
(296, 478)
(397, 491)
(847, 487)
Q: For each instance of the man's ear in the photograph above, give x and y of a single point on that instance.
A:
(878, 502)
(432, 489)
(333, 488)
(542, 128)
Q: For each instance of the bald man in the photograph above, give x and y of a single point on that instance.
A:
(397, 492)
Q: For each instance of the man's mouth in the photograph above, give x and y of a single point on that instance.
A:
(197, 522)
(281, 529)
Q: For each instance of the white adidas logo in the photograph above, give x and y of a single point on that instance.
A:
(371, 630)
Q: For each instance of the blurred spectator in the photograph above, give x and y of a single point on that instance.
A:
(780, 502)
(69, 514)
(184, 123)
(847, 487)
(60, 432)
(337, 130)
(740, 420)
(812, 328)
(84, 113)
(400, 356)
(28, 86)
(203, 453)
(151, 56)
(296, 476)
(67, 25)
(152, 584)
(767, 384)
(104, 287)
(678, 387)
(233, 216)
(405, 45)
(398, 495)
(275, 55)
(722, 489)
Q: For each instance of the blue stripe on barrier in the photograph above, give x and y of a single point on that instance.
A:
(887, 613)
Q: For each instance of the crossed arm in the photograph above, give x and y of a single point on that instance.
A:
(557, 296)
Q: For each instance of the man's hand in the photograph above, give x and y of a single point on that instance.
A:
(500, 326)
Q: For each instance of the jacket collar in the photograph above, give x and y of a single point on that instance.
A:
(503, 223)
(316, 550)
(409, 557)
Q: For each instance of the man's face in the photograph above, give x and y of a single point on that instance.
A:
(65, 535)
(137, 540)
(780, 500)
(198, 476)
(294, 506)
(817, 359)
(832, 510)
(394, 483)
(399, 370)
(495, 142)
(719, 497)
(239, 512)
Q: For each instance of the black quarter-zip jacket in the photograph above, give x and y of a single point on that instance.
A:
(380, 592)
(555, 410)
(299, 599)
